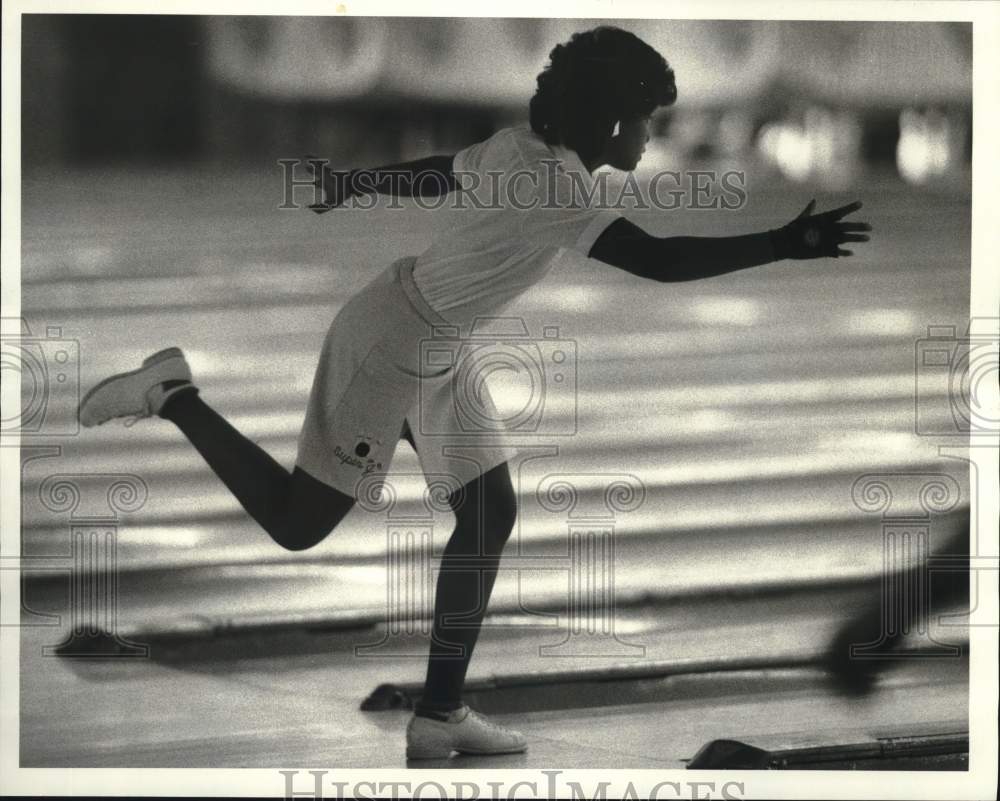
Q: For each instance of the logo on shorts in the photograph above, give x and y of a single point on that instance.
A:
(359, 458)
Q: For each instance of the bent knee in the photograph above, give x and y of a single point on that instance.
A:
(313, 511)
(298, 540)
(304, 528)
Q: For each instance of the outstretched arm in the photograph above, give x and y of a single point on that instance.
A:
(427, 177)
(687, 258)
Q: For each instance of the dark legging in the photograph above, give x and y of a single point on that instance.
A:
(483, 522)
(298, 511)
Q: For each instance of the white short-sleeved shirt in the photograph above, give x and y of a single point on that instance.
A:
(535, 202)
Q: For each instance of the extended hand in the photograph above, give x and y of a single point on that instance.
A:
(334, 187)
(811, 236)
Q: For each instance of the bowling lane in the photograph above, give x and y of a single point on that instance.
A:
(290, 698)
(750, 398)
(746, 405)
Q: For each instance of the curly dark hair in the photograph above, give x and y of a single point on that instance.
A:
(597, 78)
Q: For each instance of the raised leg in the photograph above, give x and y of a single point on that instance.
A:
(295, 508)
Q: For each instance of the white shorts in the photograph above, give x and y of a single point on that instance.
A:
(380, 369)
